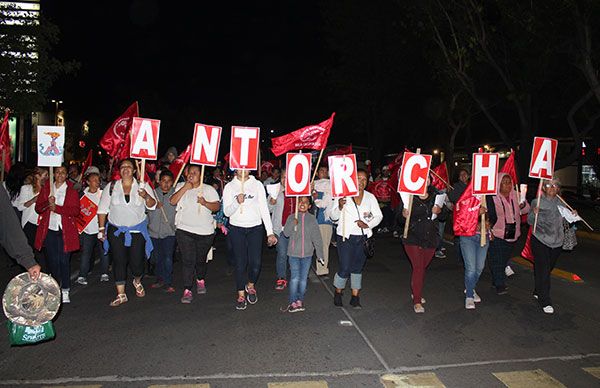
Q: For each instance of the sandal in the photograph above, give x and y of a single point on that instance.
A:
(139, 289)
(121, 298)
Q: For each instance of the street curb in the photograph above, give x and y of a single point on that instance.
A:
(556, 272)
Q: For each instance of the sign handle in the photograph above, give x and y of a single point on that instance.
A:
(483, 229)
(344, 222)
(143, 172)
(317, 166)
(201, 183)
(539, 195)
(243, 180)
(296, 215)
(51, 181)
(571, 209)
(162, 209)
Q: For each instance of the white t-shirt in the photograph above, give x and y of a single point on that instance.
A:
(92, 227)
(193, 217)
(29, 213)
(55, 221)
(121, 212)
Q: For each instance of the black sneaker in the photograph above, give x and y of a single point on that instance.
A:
(355, 302)
(240, 303)
(501, 290)
(337, 299)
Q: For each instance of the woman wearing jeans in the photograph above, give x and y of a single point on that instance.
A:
(57, 231)
(546, 240)
(246, 207)
(125, 201)
(195, 229)
(356, 218)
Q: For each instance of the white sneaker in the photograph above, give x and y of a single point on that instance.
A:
(469, 303)
(548, 309)
(419, 309)
(65, 296)
(476, 297)
(104, 277)
(81, 280)
(509, 271)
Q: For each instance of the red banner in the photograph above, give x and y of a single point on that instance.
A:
(414, 173)
(87, 212)
(542, 158)
(312, 137)
(343, 175)
(466, 213)
(205, 146)
(144, 138)
(441, 171)
(5, 143)
(484, 175)
(243, 151)
(116, 140)
(382, 190)
(510, 168)
(180, 162)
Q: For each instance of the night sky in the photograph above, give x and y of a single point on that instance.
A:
(222, 63)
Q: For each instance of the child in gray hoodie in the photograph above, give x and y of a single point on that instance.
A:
(305, 238)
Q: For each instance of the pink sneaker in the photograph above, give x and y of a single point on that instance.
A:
(200, 287)
(300, 305)
(187, 297)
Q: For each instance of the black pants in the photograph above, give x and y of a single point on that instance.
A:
(194, 248)
(544, 260)
(30, 232)
(123, 256)
(247, 250)
(498, 256)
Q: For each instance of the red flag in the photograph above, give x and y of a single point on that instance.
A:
(382, 190)
(394, 176)
(116, 140)
(510, 168)
(178, 164)
(5, 142)
(442, 172)
(86, 163)
(466, 213)
(527, 253)
(313, 137)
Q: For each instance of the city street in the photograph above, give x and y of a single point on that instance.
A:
(156, 340)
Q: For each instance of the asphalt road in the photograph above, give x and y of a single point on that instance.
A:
(157, 340)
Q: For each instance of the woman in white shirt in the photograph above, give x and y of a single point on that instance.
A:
(195, 231)
(247, 211)
(355, 218)
(125, 201)
(25, 202)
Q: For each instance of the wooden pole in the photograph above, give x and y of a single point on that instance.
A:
(317, 166)
(51, 176)
(571, 209)
(539, 195)
(243, 180)
(410, 202)
(143, 172)
(344, 222)
(162, 208)
(201, 183)
(483, 229)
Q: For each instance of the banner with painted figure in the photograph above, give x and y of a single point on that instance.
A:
(50, 145)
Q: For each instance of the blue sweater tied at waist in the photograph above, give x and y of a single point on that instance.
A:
(142, 228)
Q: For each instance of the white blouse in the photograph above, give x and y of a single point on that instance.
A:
(121, 212)
(368, 211)
(29, 213)
(55, 221)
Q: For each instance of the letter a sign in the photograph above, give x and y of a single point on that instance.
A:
(485, 173)
(297, 178)
(542, 158)
(343, 174)
(205, 146)
(243, 152)
(413, 176)
(144, 138)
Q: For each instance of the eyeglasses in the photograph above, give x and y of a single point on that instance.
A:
(549, 185)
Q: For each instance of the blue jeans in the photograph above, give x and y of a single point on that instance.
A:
(282, 256)
(299, 267)
(90, 247)
(474, 257)
(164, 248)
(247, 249)
(351, 261)
(58, 260)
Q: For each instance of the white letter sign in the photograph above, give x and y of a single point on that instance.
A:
(205, 146)
(485, 173)
(542, 158)
(144, 138)
(297, 178)
(413, 176)
(243, 151)
(343, 175)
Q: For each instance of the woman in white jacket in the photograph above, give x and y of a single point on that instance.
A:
(246, 207)
(356, 217)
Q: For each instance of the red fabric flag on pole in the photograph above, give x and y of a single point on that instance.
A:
(116, 140)
(394, 176)
(466, 213)
(527, 253)
(510, 168)
(5, 143)
(312, 137)
(86, 163)
(181, 161)
(442, 172)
